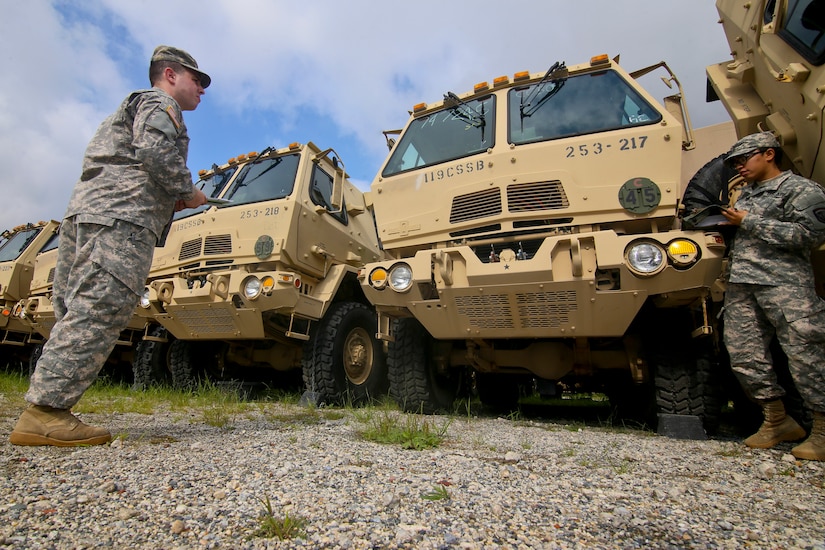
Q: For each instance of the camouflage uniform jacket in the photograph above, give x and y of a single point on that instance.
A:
(785, 219)
(134, 168)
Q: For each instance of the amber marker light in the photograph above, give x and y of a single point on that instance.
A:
(599, 60)
(500, 81)
(267, 284)
(682, 252)
(378, 278)
(480, 87)
(521, 75)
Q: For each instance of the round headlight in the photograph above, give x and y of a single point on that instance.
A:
(682, 252)
(645, 258)
(144, 298)
(378, 278)
(252, 287)
(400, 277)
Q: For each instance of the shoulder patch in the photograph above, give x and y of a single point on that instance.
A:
(171, 112)
(819, 214)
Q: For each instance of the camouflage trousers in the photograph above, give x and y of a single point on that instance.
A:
(100, 271)
(796, 315)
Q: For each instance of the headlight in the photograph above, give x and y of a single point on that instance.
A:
(683, 253)
(400, 277)
(645, 257)
(144, 298)
(378, 278)
(252, 287)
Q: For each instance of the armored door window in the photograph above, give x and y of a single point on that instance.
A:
(804, 29)
(320, 192)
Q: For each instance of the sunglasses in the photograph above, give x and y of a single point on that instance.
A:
(742, 160)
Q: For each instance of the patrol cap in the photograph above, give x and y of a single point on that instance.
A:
(753, 142)
(168, 53)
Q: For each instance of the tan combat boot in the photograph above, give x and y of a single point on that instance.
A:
(40, 425)
(777, 427)
(813, 448)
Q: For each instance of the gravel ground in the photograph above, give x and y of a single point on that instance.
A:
(170, 480)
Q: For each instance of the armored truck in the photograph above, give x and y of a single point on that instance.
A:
(18, 253)
(774, 82)
(534, 230)
(266, 277)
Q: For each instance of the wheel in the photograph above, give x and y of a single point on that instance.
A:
(686, 372)
(689, 387)
(342, 359)
(194, 361)
(36, 352)
(415, 381)
(150, 365)
(709, 185)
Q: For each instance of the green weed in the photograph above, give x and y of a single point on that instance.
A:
(282, 528)
(411, 431)
(439, 492)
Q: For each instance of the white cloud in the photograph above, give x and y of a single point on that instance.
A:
(359, 65)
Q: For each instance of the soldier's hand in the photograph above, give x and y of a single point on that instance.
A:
(734, 216)
(197, 200)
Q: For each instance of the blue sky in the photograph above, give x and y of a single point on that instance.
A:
(336, 73)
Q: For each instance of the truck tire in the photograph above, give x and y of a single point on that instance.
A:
(415, 383)
(689, 385)
(342, 360)
(183, 365)
(709, 185)
(150, 365)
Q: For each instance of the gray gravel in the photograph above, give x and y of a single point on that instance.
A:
(172, 481)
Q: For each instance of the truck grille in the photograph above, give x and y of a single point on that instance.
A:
(213, 321)
(522, 197)
(543, 195)
(214, 245)
(526, 310)
(476, 205)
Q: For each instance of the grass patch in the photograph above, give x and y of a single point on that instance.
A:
(438, 492)
(411, 431)
(280, 527)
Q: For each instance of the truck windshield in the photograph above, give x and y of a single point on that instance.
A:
(17, 244)
(457, 131)
(586, 104)
(267, 179)
(212, 186)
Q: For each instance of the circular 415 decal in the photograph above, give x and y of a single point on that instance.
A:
(639, 195)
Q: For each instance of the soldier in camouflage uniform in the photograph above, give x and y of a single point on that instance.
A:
(134, 178)
(780, 218)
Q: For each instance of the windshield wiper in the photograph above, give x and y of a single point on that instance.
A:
(556, 75)
(275, 162)
(464, 111)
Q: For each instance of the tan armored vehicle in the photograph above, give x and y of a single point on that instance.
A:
(534, 232)
(267, 277)
(18, 253)
(775, 81)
